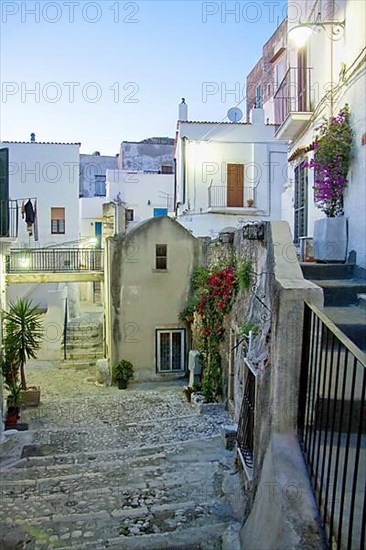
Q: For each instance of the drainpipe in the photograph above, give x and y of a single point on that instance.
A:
(184, 139)
(175, 188)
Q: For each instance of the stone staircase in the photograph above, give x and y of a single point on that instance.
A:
(84, 344)
(344, 297)
(137, 484)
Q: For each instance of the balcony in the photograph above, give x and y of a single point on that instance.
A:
(54, 260)
(8, 219)
(292, 103)
(223, 199)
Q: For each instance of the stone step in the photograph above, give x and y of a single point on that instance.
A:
(339, 293)
(352, 321)
(190, 528)
(362, 300)
(58, 442)
(84, 338)
(314, 271)
(90, 493)
(83, 354)
(39, 463)
(82, 344)
(78, 364)
(110, 409)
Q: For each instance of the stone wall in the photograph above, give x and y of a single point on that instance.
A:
(274, 304)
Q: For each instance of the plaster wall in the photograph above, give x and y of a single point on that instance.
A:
(144, 299)
(348, 75)
(203, 152)
(92, 166)
(147, 155)
(140, 192)
(49, 172)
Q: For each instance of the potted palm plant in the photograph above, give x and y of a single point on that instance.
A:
(122, 373)
(22, 337)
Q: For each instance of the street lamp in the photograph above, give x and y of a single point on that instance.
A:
(299, 34)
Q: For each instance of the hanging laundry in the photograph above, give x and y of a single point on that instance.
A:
(35, 221)
(29, 216)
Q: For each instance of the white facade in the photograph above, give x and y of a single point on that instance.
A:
(204, 152)
(47, 173)
(147, 195)
(331, 85)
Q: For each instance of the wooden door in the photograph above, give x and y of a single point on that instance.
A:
(235, 185)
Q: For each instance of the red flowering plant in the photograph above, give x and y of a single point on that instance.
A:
(331, 163)
(213, 293)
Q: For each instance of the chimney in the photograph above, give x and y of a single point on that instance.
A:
(183, 111)
(256, 116)
(33, 137)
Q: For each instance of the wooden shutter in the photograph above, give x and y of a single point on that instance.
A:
(57, 213)
(235, 185)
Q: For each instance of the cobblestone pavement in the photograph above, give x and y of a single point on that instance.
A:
(104, 468)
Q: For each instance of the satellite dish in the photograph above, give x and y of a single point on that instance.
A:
(234, 114)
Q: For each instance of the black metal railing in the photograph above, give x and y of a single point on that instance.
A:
(245, 434)
(293, 93)
(65, 329)
(22, 260)
(332, 427)
(218, 197)
(9, 218)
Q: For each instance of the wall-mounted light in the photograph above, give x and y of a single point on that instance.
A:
(148, 202)
(24, 263)
(299, 34)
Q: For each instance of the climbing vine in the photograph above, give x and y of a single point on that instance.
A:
(212, 295)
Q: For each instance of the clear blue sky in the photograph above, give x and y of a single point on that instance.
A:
(127, 70)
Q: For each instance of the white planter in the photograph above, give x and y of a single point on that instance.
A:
(330, 239)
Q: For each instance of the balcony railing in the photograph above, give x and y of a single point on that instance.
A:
(218, 197)
(293, 94)
(332, 428)
(54, 260)
(8, 219)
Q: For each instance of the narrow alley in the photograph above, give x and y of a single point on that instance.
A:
(103, 468)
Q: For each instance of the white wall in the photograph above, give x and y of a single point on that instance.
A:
(137, 189)
(349, 88)
(203, 152)
(49, 172)
(90, 211)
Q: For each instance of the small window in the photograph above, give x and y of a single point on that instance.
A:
(58, 221)
(129, 215)
(161, 256)
(100, 183)
(166, 169)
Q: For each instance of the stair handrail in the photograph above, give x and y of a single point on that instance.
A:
(65, 329)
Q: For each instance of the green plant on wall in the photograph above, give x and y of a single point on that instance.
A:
(249, 327)
(212, 295)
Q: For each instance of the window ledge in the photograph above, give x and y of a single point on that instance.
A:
(160, 270)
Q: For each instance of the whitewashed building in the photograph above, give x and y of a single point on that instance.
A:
(44, 179)
(325, 73)
(145, 195)
(227, 173)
